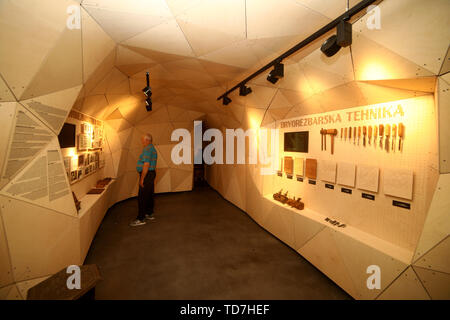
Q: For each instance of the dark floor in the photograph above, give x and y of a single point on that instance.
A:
(200, 246)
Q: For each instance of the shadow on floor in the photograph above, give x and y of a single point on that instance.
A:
(200, 246)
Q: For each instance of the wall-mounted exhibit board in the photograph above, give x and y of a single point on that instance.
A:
(366, 201)
(84, 163)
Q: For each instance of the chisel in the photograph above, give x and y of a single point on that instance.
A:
(375, 135)
(354, 135)
(342, 132)
(388, 134)
(401, 135)
(364, 135)
(359, 134)
(350, 134)
(321, 139)
(345, 133)
(394, 136)
(370, 135)
(381, 133)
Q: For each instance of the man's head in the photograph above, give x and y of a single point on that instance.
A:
(146, 139)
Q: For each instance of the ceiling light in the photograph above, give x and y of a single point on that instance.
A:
(148, 104)
(276, 73)
(226, 101)
(330, 46)
(244, 90)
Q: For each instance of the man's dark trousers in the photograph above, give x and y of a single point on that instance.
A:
(145, 195)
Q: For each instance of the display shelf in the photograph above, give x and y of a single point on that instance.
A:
(89, 200)
(381, 245)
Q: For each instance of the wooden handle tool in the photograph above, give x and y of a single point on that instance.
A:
(332, 132)
(364, 135)
(345, 133)
(375, 135)
(342, 133)
(381, 134)
(387, 132)
(321, 139)
(370, 134)
(350, 134)
(401, 135)
(359, 134)
(394, 136)
(354, 135)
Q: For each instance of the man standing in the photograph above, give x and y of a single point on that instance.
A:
(146, 168)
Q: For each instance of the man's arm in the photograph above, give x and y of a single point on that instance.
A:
(144, 173)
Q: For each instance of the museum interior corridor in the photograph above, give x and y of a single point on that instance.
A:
(199, 246)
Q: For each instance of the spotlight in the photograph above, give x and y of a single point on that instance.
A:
(244, 90)
(330, 46)
(148, 104)
(226, 101)
(343, 38)
(344, 34)
(276, 73)
(147, 90)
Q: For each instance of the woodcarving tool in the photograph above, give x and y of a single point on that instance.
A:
(354, 135)
(375, 135)
(401, 135)
(387, 132)
(332, 132)
(381, 133)
(359, 134)
(321, 139)
(345, 133)
(350, 134)
(364, 135)
(342, 132)
(370, 135)
(394, 136)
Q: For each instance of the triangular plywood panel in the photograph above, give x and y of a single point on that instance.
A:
(424, 84)
(61, 69)
(52, 109)
(446, 64)
(166, 37)
(44, 182)
(407, 23)
(6, 276)
(99, 73)
(373, 94)
(213, 25)
(443, 100)
(438, 258)
(279, 222)
(95, 106)
(437, 225)
(38, 254)
(10, 293)
(304, 230)
(5, 93)
(162, 181)
(180, 180)
(24, 49)
(21, 147)
(97, 45)
(358, 256)
(123, 22)
(7, 113)
(436, 283)
(323, 252)
(375, 62)
(406, 287)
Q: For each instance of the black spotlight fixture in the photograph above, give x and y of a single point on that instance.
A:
(244, 90)
(226, 101)
(147, 90)
(148, 104)
(276, 73)
(343, 38)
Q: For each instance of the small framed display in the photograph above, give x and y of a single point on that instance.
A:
(73, 175)
(84, 142)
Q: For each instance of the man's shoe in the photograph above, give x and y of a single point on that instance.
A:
(149, 217)
(137, 222)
